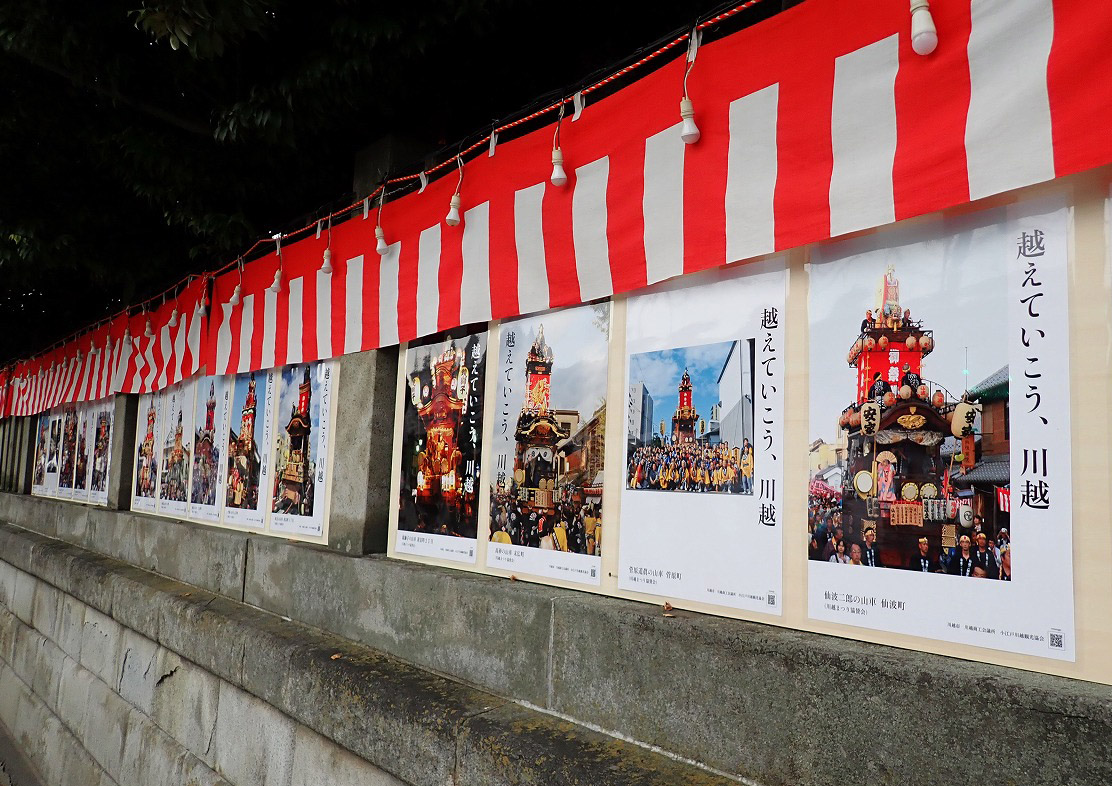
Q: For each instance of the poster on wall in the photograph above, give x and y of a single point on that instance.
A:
(210, 417)
(38, 470)
(53, 456)
(83, 451)
(246, 487)
(548, 436)
(67, 463)
(147, 453)
(939, 432)
(176, 449)
(299, 483)
(702, 495)
(100, 462)
(441, 446)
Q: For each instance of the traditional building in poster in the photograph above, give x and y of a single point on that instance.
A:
(102, 442)
(896, 482)
(206, 454)
(146, 467)
(175, 463)
(685, 416)
(244, 462)
(537, 434)
(293, 464)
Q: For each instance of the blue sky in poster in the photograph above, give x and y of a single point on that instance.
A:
(661, 372)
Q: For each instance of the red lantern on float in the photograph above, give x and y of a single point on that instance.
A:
(911, 342)
(855, 419)
(882, 342)
(938, 399)
(905, 391)
(870, 344)
(922, 392)
(889, 399)
(926, 344)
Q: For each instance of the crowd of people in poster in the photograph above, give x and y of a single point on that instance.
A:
(687, 455)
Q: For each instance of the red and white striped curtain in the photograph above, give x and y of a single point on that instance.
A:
(818, 122)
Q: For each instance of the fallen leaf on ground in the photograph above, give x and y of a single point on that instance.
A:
(337, 656)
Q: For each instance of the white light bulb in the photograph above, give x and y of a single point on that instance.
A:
(452, 219)
(174, 318)
(234, 299)
(559, 176)
(147, 330)
(689, 133)
(202, 307)
(326, 267)
(380, 245)
(276, 285)
(924, 37)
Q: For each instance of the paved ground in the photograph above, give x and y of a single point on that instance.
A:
(15, 770)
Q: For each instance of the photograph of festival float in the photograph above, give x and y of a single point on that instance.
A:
(442, 437)
(917, 476)
(550, 431)
(707, 447)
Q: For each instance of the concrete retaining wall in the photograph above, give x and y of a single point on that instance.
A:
(770, 705)
(150, 681)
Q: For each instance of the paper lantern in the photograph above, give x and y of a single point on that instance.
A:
(922, 392)
(938, 399)
(926, 344)
(963, 419)
(905, 391)
(911, 342)
(889, 399)
(882, 342)
(855, 420)
(870, 344)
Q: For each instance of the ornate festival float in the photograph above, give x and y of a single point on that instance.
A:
(538, 432)
(896, 478)
(440, 399)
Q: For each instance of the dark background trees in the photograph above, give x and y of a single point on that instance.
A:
(139, 145)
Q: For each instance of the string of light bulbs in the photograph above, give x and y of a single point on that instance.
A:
(924, 40)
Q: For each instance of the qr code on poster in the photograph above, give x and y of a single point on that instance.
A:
(1056, 642)
(772, 599)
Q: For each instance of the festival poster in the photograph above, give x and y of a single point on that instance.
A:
(442, 427)
(210, 419)
(144, 497)
(176, 449)
(67, 463)
(548, 436)
(38, 470)
(82, 454)
(53, 456)
(246, 488)
(702, 496)
(958, 504)
(102, 414)
(298, 488)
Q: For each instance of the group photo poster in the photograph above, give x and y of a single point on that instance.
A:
(175, 449)
(147, 453)
(299, 483)
(441, 446)
(702, 492)
(100, 461)
(67, 463)
(246, 486)
(939, 431)
(210, 448)
(548, 439)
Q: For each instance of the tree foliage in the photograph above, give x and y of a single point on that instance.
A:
(139, 145)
